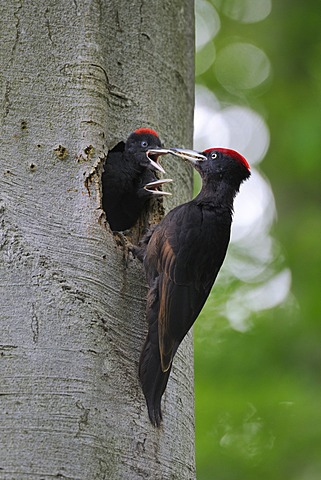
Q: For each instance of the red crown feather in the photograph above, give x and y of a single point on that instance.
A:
(146, 131)
(232, 153)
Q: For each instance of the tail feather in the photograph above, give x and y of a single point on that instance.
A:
(153, 380)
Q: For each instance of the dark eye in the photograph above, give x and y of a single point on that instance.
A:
(213, 155)
(144, 144)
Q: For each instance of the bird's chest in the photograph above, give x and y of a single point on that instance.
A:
(208, 243)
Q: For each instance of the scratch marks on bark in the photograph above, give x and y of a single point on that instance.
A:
(114, 93)
(8, 350)
(34, 324)
(118, 98)
(95, 78)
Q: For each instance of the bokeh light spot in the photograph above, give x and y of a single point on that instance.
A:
(205, 58)
(247, 11)
(236, 127)
(241, 66)
(252, 250)
(207, 23)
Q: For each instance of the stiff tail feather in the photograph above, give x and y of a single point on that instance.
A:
(153, 380)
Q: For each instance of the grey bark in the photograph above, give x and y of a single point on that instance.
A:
(76, 78)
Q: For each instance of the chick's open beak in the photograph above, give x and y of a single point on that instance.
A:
(153, 155)
(152, 187)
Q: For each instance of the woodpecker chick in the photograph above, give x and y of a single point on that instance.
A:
(129, 180)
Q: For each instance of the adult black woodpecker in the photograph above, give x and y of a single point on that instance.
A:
(129, 180)
(182, 257)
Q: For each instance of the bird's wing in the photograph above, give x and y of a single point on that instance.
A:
(184, 275)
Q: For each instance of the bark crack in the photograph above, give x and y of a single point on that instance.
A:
(34, 324)
(95, 175)
(118, 98)
(142, 33)
(17, 38)
(7, 101)
(48, 24)
(76, 6)
(3, 232)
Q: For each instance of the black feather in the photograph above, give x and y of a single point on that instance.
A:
(182, 257)
(126, 171)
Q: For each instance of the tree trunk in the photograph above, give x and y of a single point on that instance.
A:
(78, 77)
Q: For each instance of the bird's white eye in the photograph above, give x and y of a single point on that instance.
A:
(213, 155)
(144, 144)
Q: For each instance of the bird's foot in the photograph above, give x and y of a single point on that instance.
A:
(127, 247)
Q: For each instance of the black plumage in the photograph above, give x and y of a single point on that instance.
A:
(128, 172)
(182, 256)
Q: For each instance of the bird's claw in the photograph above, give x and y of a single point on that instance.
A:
(126, 245)
(152, 187)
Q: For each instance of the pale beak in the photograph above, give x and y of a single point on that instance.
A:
(189, 155)
(155, 153)
(152, 186)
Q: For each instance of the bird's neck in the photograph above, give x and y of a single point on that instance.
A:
(135, 162)
(217, 194)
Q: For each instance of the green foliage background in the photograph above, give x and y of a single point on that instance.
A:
(258, 393)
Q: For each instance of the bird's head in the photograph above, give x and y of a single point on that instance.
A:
(217, 164)
(140, 142)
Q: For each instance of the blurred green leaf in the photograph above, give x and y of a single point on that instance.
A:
(258, 392)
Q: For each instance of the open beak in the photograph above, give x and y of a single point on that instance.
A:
(152, 187)
(189, 155)
(153, 155)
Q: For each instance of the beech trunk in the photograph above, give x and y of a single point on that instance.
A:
(76, 78)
